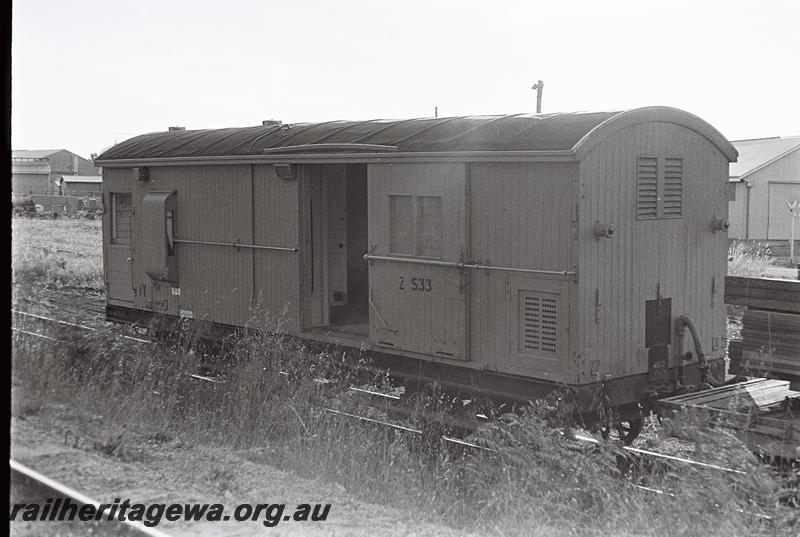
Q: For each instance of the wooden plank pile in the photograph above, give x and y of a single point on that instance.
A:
(770, 344)
(762, 411)
(755, 395)
(763, 293)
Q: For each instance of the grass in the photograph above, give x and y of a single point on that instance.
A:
(749, 260)
(270, 408)
(536, 481)
(780, 251)
(57, 253)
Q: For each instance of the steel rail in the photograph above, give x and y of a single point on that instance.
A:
(373, 420)
(237, 244)
(62, 489)
(21, 331)
(83, 327)
(42, 317)
(376, 394)
(131, 338)
(672, 495)
(471, 266)
(316, 380)
(206, 378)
(655, 454)
(578, 437)
(448, 439)
(403, 428)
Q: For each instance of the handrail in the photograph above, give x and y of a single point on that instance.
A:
(237, 244)
(473, 266)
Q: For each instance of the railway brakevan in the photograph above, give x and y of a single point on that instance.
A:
(509, 254)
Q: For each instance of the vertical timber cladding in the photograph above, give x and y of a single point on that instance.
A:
(655, 252)
(214, 204)
(523, 215)
(417, 215)
(276, 290)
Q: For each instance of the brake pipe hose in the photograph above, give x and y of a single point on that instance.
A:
(706, 377)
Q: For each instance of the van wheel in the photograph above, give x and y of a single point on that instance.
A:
(629, 430)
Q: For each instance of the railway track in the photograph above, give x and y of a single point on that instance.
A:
(641, 460)
(628, 457)
(630, 453)
(89, 309)
(64, 324)
(28, 484)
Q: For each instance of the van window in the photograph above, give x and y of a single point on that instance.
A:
(121, 212)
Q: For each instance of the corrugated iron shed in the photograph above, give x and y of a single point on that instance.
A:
(753, 154)
(30, 166)
(33, 153)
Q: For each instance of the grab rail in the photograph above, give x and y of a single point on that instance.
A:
(473, 266)
(237, 244)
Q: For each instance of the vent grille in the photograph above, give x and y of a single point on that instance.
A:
(538, 322)
(659, 188)
(673, 187)
(647, 188)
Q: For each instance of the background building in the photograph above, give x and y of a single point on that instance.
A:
(38, 171)
(765, 178)
(80, 185)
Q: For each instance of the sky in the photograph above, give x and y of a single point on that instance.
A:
(90, 73)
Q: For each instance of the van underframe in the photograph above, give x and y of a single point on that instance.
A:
(628, 395)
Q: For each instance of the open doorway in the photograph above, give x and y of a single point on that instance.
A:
(336, 273)
(349, 298)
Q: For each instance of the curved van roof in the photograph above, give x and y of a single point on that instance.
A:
(574, 133)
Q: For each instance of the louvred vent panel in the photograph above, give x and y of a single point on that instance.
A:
(673, 187)
(647, 188)
(659, 188)
(538, 322)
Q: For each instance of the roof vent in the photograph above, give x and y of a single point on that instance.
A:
(177, 129)
(271, 123)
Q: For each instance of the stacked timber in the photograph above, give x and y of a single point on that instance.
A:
(770, 344)
(763, 293)
(763, 412)
(753, 396)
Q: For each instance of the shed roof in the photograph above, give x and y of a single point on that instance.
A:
(517, 132)
(34, 153)
(757, 153)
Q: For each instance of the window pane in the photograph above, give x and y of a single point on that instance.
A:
(430, 226)
(121, 209)
(401, 226)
